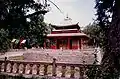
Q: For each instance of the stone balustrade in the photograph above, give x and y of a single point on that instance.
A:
(53, 68)
(55, 50)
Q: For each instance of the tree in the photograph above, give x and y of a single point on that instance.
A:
(95, 33)
(37, 30)
(107, 10)
(14, 16)
(4, 40)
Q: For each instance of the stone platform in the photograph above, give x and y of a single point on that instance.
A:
(86, 56)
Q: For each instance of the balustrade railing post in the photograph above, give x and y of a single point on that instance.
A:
(31, 65)
(24, 68)
(45, 69)
(0, 66)
(54, 67)
(5, 65)
(63, 71)
(38, 69)
(81, 72)
(17, 67)
(72, 72)
(11, 67)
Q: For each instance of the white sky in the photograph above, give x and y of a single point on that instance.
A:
(81, 11)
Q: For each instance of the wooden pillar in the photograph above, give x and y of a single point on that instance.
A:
(81, 43)
(68, 45)
(56, 44)
(78, 44)
(45, 44)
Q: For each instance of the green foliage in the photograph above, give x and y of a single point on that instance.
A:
(94, 69)
(4, 41)
(92, 72)
(95, 33)
(104, 12)
(108, 12)
(14, 16)
(37, 30)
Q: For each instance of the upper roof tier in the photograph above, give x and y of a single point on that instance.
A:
(66, 24)
(73, 26)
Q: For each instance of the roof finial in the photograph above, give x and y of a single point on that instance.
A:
(67, 18)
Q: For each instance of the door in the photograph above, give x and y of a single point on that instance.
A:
(63, 44)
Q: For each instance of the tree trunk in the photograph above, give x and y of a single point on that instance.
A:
(110, 64)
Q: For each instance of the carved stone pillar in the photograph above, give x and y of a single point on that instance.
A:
(54, 67)
(72, 72)
(63, 71)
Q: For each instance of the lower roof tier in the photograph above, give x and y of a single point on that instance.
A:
(67, 34)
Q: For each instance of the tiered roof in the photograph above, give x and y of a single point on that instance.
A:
(62, 31)
(66, 29)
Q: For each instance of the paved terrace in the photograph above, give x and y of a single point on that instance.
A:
(66, 56)
(71, 56)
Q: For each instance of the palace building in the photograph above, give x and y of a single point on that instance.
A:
(67, 36)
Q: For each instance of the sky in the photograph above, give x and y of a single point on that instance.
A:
(81, 11)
